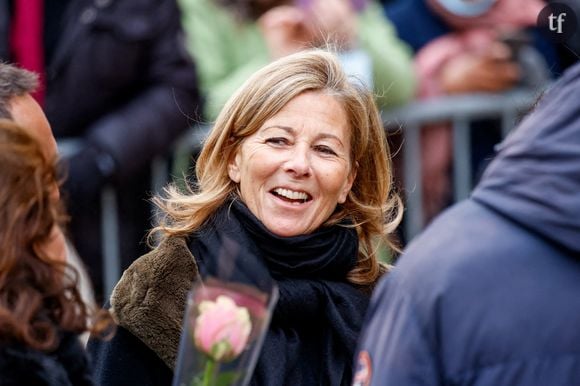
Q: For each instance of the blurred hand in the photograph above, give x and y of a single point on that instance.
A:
(334, 21)
(286, 31)
(490, 71)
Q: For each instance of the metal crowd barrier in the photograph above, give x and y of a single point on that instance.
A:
(110, 243)
(458, 110)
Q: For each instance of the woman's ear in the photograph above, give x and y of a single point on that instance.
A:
(234, 168)
(348, 185)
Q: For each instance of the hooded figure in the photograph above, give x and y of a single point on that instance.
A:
(489, 294)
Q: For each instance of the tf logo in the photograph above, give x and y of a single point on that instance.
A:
(364, 370)
(559, 21)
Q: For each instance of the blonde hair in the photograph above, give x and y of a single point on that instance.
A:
(372, 204)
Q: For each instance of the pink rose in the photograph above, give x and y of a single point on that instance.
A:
(222, 328)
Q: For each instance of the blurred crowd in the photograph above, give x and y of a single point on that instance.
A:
(124, 80)
(127, 79)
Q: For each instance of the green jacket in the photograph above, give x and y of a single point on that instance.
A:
(227, 52)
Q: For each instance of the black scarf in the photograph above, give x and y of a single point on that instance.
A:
(67, 365)
(318, 317)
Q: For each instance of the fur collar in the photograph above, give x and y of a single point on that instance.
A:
(149, 300)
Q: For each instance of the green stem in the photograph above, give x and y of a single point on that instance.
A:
(209, 373)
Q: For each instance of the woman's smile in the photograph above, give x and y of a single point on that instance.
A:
(292, 196)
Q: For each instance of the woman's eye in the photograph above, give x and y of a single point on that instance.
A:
(277, 141)
(325, 150)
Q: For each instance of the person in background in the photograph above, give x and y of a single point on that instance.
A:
(295, 170)
(231, 39)
(17, 104)
(41, 310)
(115, 76)
(481, 53)
(488, 294)
(419, 22)
(465, 47)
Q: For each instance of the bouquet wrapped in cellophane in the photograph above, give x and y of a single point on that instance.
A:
(224, 327)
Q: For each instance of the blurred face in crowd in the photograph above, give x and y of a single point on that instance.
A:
(297, 167)
(27, 113)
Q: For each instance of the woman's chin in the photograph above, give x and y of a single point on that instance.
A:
(287, 230)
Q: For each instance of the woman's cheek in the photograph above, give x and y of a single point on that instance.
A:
(55, 247)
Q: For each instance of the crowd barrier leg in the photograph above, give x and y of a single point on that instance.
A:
(461, 158)
(412, 180)
(508, 122)
(110, 240)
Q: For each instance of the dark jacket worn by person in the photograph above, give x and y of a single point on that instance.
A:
(121, 81)
(314, 327)
(488, 295)
(67, 365)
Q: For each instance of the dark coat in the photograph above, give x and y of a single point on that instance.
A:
(65, 366)
(121, 81)
(140, 365)
(489, 294)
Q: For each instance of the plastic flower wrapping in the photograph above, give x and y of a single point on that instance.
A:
(224, 327)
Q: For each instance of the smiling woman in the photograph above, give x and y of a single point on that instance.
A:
(297, 171)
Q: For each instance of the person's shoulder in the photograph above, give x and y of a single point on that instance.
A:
(471, 252)
(463, 241)
(170, 252)
(166, 267)
(149, 300)
(444, 269)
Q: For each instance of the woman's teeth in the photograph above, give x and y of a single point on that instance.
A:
(291, 195)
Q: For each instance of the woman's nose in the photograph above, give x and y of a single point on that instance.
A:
(298, 162)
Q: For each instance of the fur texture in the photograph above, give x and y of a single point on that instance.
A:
(150, 298)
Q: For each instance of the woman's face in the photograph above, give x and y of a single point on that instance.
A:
(55, 245)
(296, 168)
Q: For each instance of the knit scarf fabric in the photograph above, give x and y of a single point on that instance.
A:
(67, 365)
(316, 322)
